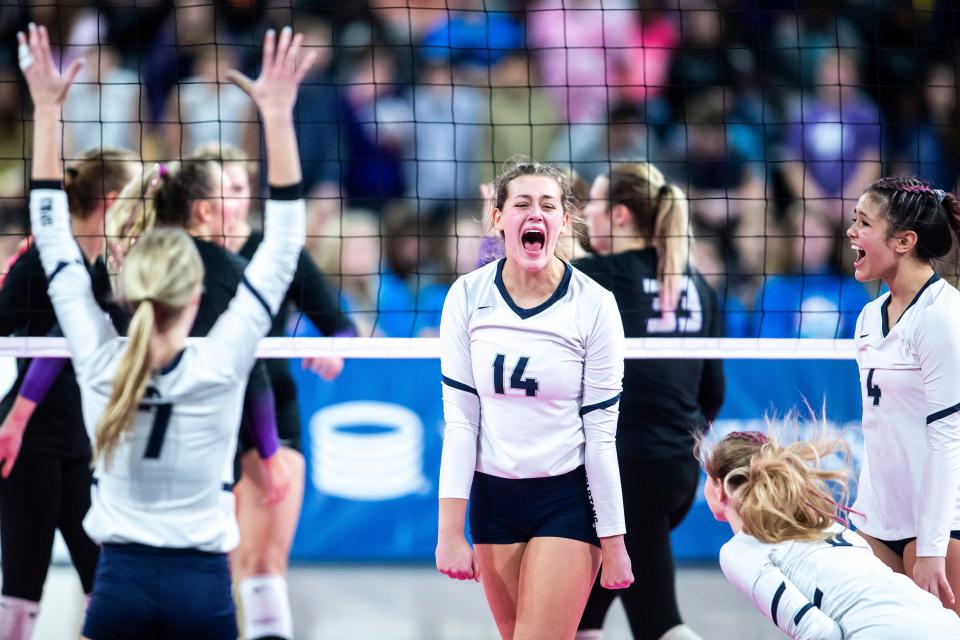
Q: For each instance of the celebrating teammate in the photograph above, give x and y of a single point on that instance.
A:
(164, 412)
(792, 556)
(908, 351)
(259, 563)
(43, 443)
(639, 229)
(532, 362)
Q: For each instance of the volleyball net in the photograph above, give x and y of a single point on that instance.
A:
(772, 122)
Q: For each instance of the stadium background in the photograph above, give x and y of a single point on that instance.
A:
(773, 116)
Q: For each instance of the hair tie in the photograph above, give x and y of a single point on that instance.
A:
(161, 169)
(753, 437)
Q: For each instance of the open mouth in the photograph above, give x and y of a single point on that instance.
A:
(533, 240)
(860, 255)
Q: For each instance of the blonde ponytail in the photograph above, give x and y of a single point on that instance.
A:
(129, 382)
(160, 276)
(661, 213)
(782, 492)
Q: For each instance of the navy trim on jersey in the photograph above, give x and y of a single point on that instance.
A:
(173, 363)
(450, 382)
(600, 405)
(94, 481)
(256, 294)
(885, 323)
(817, 598)
(776, 602)
(529, 313)
(943, 413)
(60, 267)
(797, 618)
(227, 486)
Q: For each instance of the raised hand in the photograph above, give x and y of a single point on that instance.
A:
(48, 87)
(275, 90)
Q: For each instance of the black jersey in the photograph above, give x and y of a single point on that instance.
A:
(313, 296)
(56, 426)
(664, 401)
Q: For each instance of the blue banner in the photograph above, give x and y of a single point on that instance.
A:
(372, 443)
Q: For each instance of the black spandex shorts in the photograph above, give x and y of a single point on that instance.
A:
(898, 546)
(507, 511)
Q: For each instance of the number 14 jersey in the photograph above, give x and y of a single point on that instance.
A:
(532, 392)
(910, 384)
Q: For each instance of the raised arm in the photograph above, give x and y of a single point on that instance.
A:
(268, 276)
(80, 318)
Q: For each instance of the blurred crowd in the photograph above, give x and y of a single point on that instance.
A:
(772, 117)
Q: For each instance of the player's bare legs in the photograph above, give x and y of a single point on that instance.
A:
(500, 576)
(885, 553)
(266, 537)
(555, 580)
(953, 566)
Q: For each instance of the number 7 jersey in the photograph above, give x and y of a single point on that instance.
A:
(532, 392)
(910, 384)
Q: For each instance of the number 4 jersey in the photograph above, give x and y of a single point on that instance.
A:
(910, 383)
(534, 392)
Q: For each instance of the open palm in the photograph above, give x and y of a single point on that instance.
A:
(48, 87)
(275, 90)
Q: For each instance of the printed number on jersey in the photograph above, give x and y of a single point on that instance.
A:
(161, 420)
(689, 313)
(517, 381)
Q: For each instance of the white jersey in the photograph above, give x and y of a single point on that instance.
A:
(832, 589)
(530, 393)
(910, 383)
(169, 480)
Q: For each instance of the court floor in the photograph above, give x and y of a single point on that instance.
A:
(363, 602)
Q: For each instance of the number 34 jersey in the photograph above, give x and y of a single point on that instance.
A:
(910, 384)
(532, 392)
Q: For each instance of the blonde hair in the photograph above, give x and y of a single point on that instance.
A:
(519, 166)
(158, 279)
(661, 214)
(225, 154)
(781, 491)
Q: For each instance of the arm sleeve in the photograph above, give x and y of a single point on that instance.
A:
(461, 402)
(260, 412)
(312, 295)
(750, 570)
(938, 348)
(233, 340)
(83, 323)
(599, 410)
(40, 376)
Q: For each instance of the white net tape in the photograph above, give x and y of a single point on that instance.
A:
(426, 348)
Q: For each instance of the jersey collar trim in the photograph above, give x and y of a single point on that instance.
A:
(173, 363)
(885, 322)
(543, 306)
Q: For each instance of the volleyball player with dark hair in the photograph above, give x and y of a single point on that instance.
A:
(532, 362)
(259, 563)
(165, 412)
(639, 230)
(49, 488)
(908, 351)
